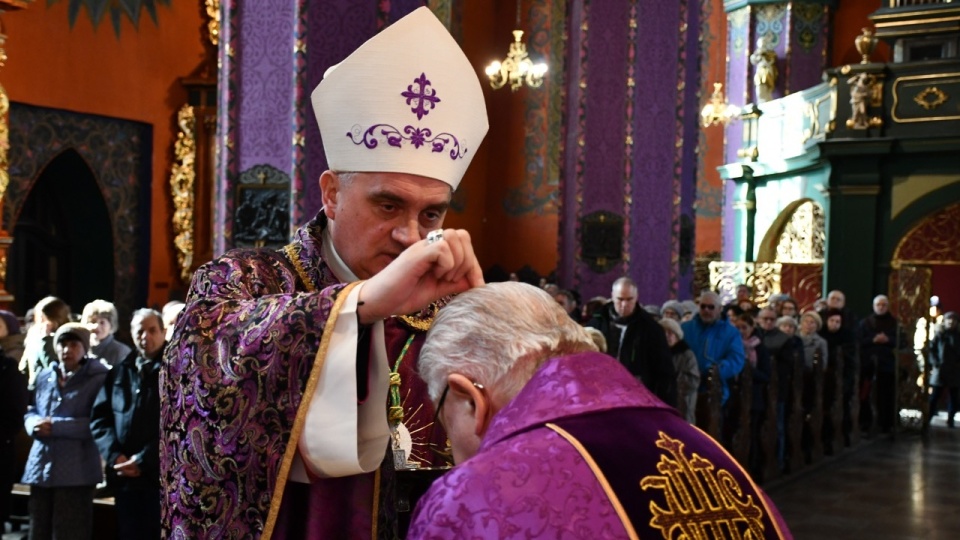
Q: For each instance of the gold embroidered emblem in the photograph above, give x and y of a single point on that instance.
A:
(702, 502)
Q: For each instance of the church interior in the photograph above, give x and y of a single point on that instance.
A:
(797, 146)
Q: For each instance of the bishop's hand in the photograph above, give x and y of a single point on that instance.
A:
(423, 273)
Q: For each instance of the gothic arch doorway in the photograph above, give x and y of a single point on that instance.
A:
(797, 235)
(62, 239)
(797, 240)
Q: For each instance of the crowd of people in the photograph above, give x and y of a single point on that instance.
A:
(702, 333)
(91, 405)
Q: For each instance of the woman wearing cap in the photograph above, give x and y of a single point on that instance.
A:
(63, 468)
(814, 346)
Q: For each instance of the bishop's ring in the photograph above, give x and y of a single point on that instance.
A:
(434, 236)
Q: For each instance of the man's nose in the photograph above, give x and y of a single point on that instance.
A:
(407, 233)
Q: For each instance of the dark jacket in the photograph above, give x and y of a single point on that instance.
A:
(879, 354)
(783, 349)
(643, 349)
(126, 420)
(13, 405)
(945, 359)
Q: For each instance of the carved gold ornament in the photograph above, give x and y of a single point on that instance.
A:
(213, 25)
(763, 278)
(931, 97)
(4, 143)
(701, 499)
(804, 238)
(182, 177)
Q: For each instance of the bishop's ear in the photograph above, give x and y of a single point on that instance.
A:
(329, 191)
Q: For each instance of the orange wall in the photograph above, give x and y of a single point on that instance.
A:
(133, 78)
(508, 241)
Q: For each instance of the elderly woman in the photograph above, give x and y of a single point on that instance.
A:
(63, 467)
(672, 309)
(101, 318)
(688, 371)
(814, 346)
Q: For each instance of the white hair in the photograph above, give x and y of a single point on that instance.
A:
(880, 297)
(498, 335)
(146, 313)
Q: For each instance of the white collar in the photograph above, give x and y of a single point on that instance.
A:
(333, 260)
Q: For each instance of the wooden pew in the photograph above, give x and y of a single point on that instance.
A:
(853, 399)
(833, 404)
(741, 399)
(708, 403)
(794, 457)
(768, 433)
(813, 382)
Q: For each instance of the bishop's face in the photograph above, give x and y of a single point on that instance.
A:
(375, 216)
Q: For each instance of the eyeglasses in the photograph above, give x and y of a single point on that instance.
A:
(711, 307)
(443, 397)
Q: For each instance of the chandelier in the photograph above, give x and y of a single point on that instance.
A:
(717, 110)
(517, 69)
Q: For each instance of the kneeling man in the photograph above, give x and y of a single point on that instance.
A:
(553, 439)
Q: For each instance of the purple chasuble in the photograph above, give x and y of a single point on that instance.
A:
(530, 477)
(232, 382)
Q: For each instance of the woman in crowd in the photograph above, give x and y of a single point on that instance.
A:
(759, 361)
(788, 308)
(840, 341)
(685, 364)
(102, 320)
(63, 467)
(49, 314)
(814, 346)
(672, 309)
(814, 352)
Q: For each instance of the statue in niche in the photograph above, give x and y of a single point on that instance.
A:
(861, 88)
(764, 59)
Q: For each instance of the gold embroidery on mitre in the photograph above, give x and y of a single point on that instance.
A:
(702, 501)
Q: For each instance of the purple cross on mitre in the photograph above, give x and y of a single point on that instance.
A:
(423, 95)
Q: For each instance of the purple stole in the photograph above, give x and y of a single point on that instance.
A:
(667, 479)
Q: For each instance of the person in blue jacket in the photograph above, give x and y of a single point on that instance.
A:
(714, 341)
(63, 468)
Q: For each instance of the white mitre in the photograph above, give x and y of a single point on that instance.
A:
(406, 101)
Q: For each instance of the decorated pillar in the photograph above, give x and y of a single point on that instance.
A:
(624, 162)
(5, 239)
(773, 49)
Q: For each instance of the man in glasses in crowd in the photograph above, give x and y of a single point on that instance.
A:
(714, 341)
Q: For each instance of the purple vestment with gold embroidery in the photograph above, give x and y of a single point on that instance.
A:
(233, 380)
(649, 474)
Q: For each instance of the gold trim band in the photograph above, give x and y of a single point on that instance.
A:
(277, 497)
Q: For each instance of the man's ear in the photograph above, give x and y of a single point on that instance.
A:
(329, 190)
(477, 398)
